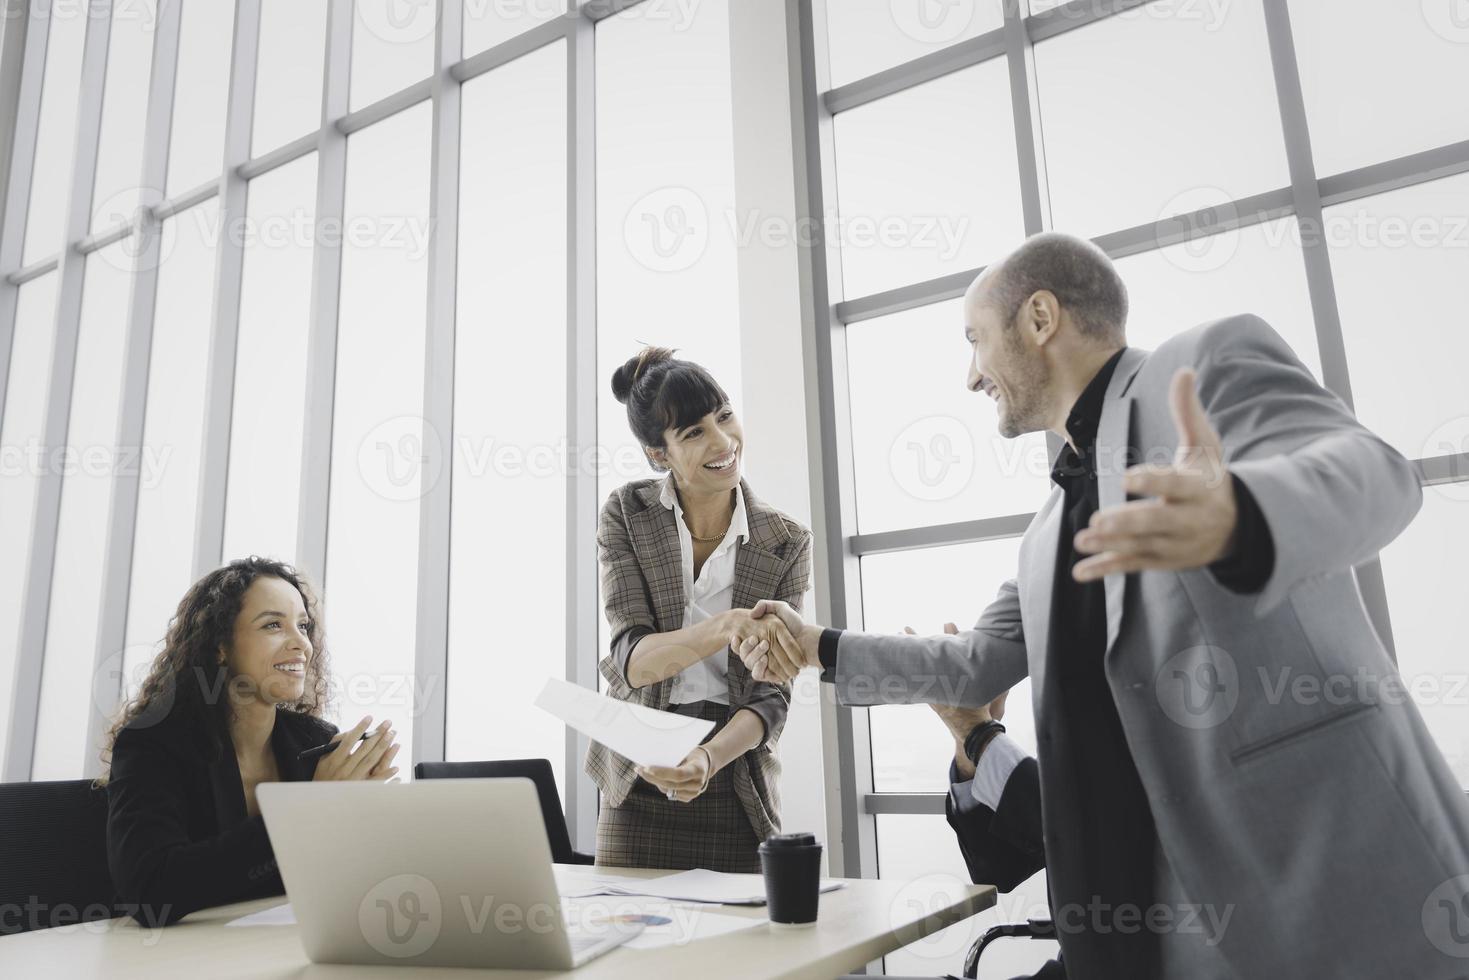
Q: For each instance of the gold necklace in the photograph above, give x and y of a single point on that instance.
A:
(717, 537)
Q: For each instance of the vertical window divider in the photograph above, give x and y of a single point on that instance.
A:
(122, 514)
(24, 53)
(229, 268)
(431, 656)
(326, 276)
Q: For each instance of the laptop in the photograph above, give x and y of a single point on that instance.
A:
(444, 872)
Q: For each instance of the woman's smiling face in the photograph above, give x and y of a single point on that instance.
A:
(271, 643)
(706, 455)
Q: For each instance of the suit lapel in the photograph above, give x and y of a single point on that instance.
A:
(1037, 583)
(1115, 453)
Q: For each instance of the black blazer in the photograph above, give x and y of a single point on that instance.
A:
(178, 836)
(1003, 846)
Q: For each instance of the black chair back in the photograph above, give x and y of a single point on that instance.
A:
(53, 855)
(536, 770)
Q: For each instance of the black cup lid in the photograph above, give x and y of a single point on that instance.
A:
(790, 840)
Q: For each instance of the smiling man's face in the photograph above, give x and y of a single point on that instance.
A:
(1002, 364)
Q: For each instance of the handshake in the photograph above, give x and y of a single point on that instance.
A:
(773, 642)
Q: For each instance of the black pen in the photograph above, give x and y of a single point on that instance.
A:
(316, 752)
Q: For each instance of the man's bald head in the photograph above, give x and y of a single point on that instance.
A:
(1080, 276)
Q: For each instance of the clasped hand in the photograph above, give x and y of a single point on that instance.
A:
(773, 642)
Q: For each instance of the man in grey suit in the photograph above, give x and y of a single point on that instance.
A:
(1233, 781)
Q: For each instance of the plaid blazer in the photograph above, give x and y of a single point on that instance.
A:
(642, 586)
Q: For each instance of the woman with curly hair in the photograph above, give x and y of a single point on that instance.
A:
(232, 700)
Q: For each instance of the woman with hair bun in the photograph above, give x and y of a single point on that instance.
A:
(683, 560)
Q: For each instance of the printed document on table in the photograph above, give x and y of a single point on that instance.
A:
(646, 736)
(277, 915)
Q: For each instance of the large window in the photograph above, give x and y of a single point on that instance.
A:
(1156, 130)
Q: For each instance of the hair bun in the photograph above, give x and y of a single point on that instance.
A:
(634, 368)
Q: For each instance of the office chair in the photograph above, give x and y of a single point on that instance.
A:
(54, 855)
(536, 770)
(1032, 929)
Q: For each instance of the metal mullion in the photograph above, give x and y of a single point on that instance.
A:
(33, 271)
(180, 203)
(833, 503)
(228, 270)
(1119, 244)
(23, 64)
(904, 803)
(971, 51)
(351, 122)
(515, 48)
(581, 407)
(1030, 154)
(279, 157)
(940, 535)
(137, 352)
(102, 239)
(1437, 470)
(431, 656)
(1380, 178)
(1306, 195)
(326, 275)
(936, 64)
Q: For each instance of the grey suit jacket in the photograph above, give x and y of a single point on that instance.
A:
(1299, 799)
(642, 586)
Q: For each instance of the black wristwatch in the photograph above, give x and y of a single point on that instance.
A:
(978, 737)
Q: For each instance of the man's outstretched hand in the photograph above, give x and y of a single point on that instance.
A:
(779, 662)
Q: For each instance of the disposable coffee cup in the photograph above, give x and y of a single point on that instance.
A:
(792, 867)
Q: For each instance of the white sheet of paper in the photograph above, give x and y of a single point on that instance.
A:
(279, 915)
(700, 885)
(686, 923)
(646, 736)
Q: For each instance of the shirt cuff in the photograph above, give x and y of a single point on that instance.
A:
(962, 795)
(622, 649)
(826, 652)
(996, 763)
(1248, 567)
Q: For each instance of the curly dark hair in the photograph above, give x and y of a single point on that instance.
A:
(187, 682)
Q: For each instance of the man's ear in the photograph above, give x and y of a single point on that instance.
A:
(1043, 311)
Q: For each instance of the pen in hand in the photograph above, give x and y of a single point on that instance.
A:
(316, 752)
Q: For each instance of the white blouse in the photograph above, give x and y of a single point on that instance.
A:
(711, 594)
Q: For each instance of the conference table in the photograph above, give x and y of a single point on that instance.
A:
(857, 924)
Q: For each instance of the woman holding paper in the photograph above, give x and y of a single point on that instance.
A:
(683, 560)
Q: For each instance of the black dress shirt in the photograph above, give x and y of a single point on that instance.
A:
(179, 838)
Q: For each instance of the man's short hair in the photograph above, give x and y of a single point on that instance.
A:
(1082, 277)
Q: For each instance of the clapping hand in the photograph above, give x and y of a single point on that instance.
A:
(367, 759)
